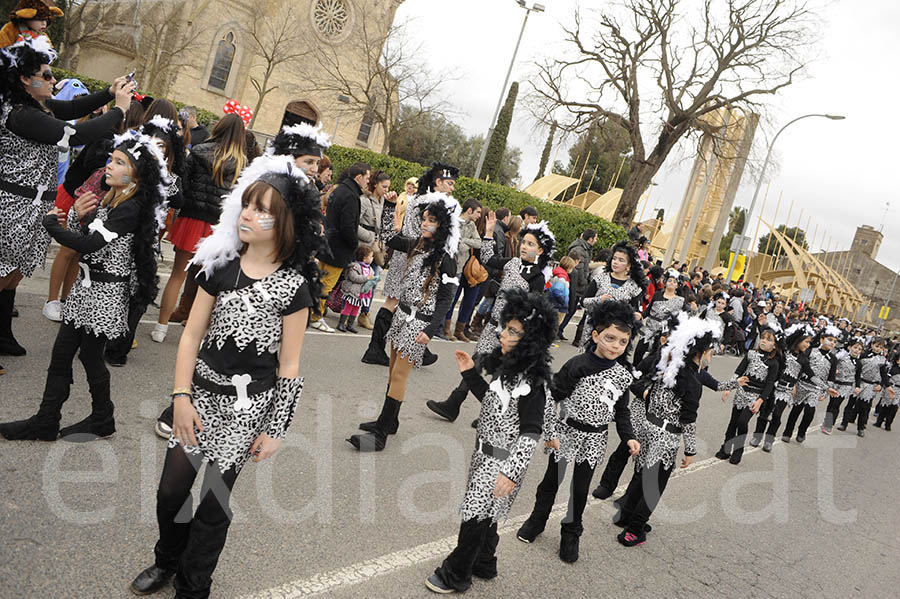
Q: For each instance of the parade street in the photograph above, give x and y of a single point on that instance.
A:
(78, 520)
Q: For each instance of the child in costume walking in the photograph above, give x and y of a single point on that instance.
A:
(817, 369)
(796, 341)
(429, 282)
(845, 374)
(668, 416)
(755, 380)
(514, 407)
(890, 396)
(529, 271)
(593, 390)
(237, 380)
(871, 378)
(118, 265)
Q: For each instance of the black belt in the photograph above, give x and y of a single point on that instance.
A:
(753, 389)
(584, 427)
(105, 277)
(423, 316)
(845, 382)
(257, 386)
(27, 192)
(489, 450)
(368, 228)
(666, 425)
(871, 382)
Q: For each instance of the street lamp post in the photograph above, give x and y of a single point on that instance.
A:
(487, 141)
(743, 238)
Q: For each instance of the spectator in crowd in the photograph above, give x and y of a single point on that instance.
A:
(341, 230)
(369, 232)
(199, 133)
(469, 243)
(560, 287)
(529, 215)
(501, 248)
(581, 251)
(410, 188)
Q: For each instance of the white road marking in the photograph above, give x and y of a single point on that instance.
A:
(360, 572)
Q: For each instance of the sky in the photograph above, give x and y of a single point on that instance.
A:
(837, 172)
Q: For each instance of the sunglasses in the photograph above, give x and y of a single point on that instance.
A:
(46, 75)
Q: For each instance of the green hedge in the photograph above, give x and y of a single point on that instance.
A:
(204, 117)
(565, 222)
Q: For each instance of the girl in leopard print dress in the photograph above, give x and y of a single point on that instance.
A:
(529, 271)
(427, 290)
(118, 259)
(514, 408)
(237, 380)
(593, 389)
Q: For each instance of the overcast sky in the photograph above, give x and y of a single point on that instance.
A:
(841, 172)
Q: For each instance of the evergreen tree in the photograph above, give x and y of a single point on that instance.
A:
(545, 156)
(497, 146)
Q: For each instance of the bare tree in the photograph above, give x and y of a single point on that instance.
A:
(81, 27)
(378, 70)
(731, 54)
(169, 38)
(279, 39)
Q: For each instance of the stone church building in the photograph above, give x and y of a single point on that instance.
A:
(217, 58)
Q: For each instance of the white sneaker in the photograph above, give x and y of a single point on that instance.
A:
(53, 310)
(321, 325)
(159, 331)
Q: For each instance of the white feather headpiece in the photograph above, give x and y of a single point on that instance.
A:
(162, 122)
(300, 135)
(831, 331)
(681, 340)
(223, 245)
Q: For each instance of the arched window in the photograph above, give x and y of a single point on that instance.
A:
(221, 68)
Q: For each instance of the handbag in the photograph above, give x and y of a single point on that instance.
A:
(474, 272)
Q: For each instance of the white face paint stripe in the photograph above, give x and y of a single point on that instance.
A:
(266, 223)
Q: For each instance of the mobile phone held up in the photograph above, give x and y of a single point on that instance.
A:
(130, 77)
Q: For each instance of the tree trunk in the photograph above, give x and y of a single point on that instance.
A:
(638, 181)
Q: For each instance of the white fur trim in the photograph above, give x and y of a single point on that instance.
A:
(688, 330)
(223, 244)
(832, 331)
(305, 130)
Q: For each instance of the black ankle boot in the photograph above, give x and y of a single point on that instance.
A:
(531, 528)
(151, 580)
(390, 427)
(8, 344)
(375, 352)
(350, 328)
(449, 409)
(569, 541)
(342, 323)
(43, 426)
(429, 358)
(602, 492)
(376, 439)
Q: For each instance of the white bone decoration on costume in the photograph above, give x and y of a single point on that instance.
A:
(86, 271)
(241, 382)
(63, 143)
(100, 227)
(522, 388)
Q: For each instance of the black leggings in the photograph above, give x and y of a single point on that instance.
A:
(191, 545)
(546, 493)
(615, 466)
(643, 495)
(736, 433)
(772, 418)
(808, 412)
(117, 349)
(857, 411)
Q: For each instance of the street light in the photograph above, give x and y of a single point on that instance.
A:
(536, 8)
(743, 237)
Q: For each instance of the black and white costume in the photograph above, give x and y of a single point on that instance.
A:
(118, 262)
(762, 372)
(421, 308)
(845, 374)
(769, 418)
(236, 389)
(817, 370)
(517, 274)
(871, 379)
(656, 316)
(668, 416)
(626, 290)
(513, 408)
(887, 406)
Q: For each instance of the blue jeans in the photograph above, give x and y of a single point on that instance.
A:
(470, 296)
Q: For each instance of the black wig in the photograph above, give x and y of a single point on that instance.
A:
(23, 59)
(164, 129)
(531, 356)
(438, 170)
(614, 313)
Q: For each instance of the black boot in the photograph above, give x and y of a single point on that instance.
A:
(377, 438)
(392, 426)
(151, 580)
(350, 328)
(342, 323)
(579, 331)
(8, 344)
(568, 542)
(429, 358)
(375, 352)
(449, 409)
(43, 426)
(200, 557)
(101, 422)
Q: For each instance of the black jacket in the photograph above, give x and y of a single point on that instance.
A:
(202, 197)
(341, 223)
(582, 273)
